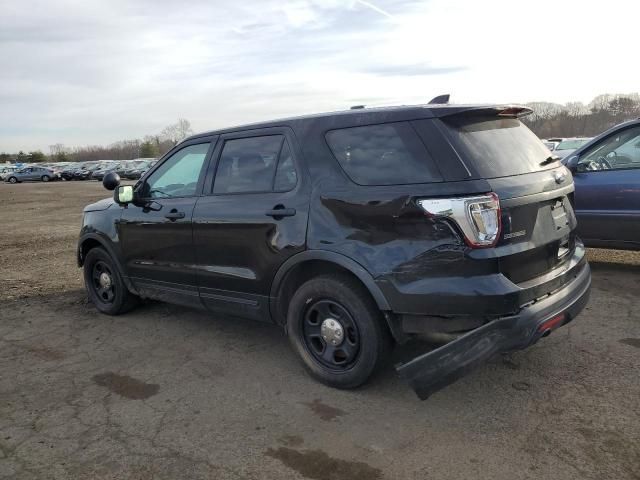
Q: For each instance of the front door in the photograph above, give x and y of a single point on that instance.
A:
(156, 232)
(251, 219)
(607, 194)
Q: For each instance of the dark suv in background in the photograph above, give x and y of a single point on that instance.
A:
(353, 231)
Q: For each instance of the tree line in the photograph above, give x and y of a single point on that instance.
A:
(150, 146)
(575, 119)
(548, 120)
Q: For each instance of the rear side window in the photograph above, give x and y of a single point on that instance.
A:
(385, 154)
(255, 164)
(498, 147)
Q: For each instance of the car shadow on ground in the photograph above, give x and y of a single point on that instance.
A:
(257, 350)
(614, 267)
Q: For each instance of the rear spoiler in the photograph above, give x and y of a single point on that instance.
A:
(509, 111)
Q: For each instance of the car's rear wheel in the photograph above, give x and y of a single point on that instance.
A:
(104, 284)
(13, 180)
(45, 178)
(337, 330)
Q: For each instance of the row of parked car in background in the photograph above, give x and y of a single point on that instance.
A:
(92, 170)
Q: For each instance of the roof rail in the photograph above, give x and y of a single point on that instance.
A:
(440, 99)
(356, 107)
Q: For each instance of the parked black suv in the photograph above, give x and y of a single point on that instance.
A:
(354, 230)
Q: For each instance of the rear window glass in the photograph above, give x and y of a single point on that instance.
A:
(499, 147)
(385, 154)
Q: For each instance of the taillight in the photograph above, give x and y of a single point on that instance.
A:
(477, 217)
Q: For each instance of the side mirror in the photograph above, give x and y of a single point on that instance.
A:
(572, 163)
(111, 180)
(123, 194)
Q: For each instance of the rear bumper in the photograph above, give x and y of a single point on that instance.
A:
(438, 368)
(492, 295)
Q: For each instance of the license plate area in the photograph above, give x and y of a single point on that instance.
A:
(559, 214)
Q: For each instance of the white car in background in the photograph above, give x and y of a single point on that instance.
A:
(569, 145)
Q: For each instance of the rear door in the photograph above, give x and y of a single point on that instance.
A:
(156, 234)
(607, 179)
(251, 219)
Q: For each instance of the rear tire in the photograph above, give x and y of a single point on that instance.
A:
(45, 178)
(337, 330)
(104, 284)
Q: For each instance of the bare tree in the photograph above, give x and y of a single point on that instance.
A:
(177, 131)
(57, 149)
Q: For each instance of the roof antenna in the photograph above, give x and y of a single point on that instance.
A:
(440, 99)
(357, 107)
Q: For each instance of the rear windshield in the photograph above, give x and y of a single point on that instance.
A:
(499, 147)
(384, 154)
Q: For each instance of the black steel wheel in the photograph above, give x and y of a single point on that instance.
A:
(104, 284)
(337, 330)
(331, 335)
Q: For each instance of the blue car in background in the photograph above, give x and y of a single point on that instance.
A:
(606, 172)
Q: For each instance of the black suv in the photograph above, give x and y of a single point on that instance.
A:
(353, 231)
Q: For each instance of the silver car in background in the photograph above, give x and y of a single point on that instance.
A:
(30, 174)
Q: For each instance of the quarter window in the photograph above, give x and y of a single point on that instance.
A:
(178, 175)
(386, 154)
(251, 165)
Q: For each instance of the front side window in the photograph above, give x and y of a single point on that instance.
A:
(178, 175)
(385, 154)
(619, 151)
(248, 165)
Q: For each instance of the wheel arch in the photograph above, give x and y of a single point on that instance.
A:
(92, 240)
(305, 265)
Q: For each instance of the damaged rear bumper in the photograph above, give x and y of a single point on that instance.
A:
(438, 368)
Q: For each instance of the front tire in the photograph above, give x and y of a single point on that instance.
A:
(13, 180)
(337, 330)
(104, 285)
(45, 178)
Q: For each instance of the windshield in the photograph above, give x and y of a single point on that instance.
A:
(571, 144)
(499, 147)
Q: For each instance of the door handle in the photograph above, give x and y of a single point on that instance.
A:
(174, 215)
(279, 212)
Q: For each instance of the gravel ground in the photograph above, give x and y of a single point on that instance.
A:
(164, 392)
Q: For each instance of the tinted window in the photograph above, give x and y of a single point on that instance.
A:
(386, 154)
(248, 164)
(286, 177)
(619, 151)
(499, 147)
(178, 175)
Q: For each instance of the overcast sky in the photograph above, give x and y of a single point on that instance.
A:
(84, 72)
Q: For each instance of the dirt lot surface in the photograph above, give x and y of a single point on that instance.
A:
(168, 393)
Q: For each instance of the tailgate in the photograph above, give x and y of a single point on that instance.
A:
(538, 223)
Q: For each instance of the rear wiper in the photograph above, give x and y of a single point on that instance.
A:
(550, 159)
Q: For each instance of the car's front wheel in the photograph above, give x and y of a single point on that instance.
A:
(13, 180)
(337, 330)
(104, 284)
(45, 178)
